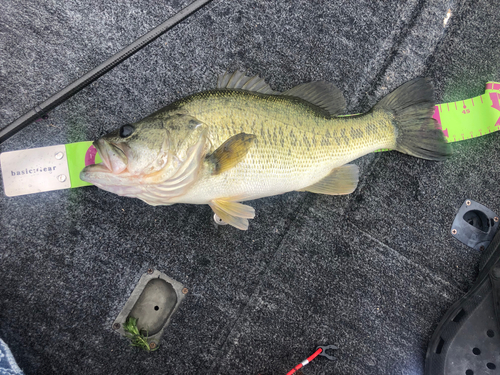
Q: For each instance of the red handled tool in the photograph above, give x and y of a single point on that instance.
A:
(320, 350)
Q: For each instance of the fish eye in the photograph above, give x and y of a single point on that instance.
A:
(126, 131)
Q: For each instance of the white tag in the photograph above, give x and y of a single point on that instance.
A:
(35, 170)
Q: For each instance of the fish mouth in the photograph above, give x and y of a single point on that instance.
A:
(114, 163)
(112, 156)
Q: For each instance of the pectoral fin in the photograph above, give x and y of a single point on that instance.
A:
(342, 180)
(233, 213)
(230, 152)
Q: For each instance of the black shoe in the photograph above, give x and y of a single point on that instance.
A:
(467, 340)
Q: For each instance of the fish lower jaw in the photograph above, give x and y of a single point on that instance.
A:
(101, 175)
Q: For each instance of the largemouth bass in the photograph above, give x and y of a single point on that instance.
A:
(244, 141)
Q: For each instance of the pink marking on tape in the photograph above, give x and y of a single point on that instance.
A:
(489, 86)
(496, 86)
(90, 155)
(436, 116)
(494, 100)
(498, 124)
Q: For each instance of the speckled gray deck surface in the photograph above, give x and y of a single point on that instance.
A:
(372, 272)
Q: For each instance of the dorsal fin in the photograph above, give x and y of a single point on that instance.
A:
(238, 80)
(322, 94)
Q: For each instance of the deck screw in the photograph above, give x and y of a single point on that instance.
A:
(496, 219)
(150, 271)
(59, 155)
(61, 178)
(185, 291)
(116, 326)
(481, 248)
(453, 231)
(468, 203)
(152, 345)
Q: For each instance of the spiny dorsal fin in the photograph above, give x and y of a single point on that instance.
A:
(238, 80)
(342, 180)
(322, 94)
(233, 213)
(230, 152)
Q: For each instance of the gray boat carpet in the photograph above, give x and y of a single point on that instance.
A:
(372, 272)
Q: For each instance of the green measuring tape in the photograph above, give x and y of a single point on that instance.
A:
(470, 118)
(80, 154)
(24, 170)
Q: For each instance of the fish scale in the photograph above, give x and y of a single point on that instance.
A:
(296, 145)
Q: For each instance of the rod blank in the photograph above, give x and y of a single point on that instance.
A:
(70, 90)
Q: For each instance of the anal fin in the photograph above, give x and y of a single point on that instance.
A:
(342, 180)
(233, 213)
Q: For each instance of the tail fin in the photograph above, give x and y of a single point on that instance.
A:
(412, 107)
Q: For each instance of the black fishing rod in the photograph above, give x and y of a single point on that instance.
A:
(70, 90)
